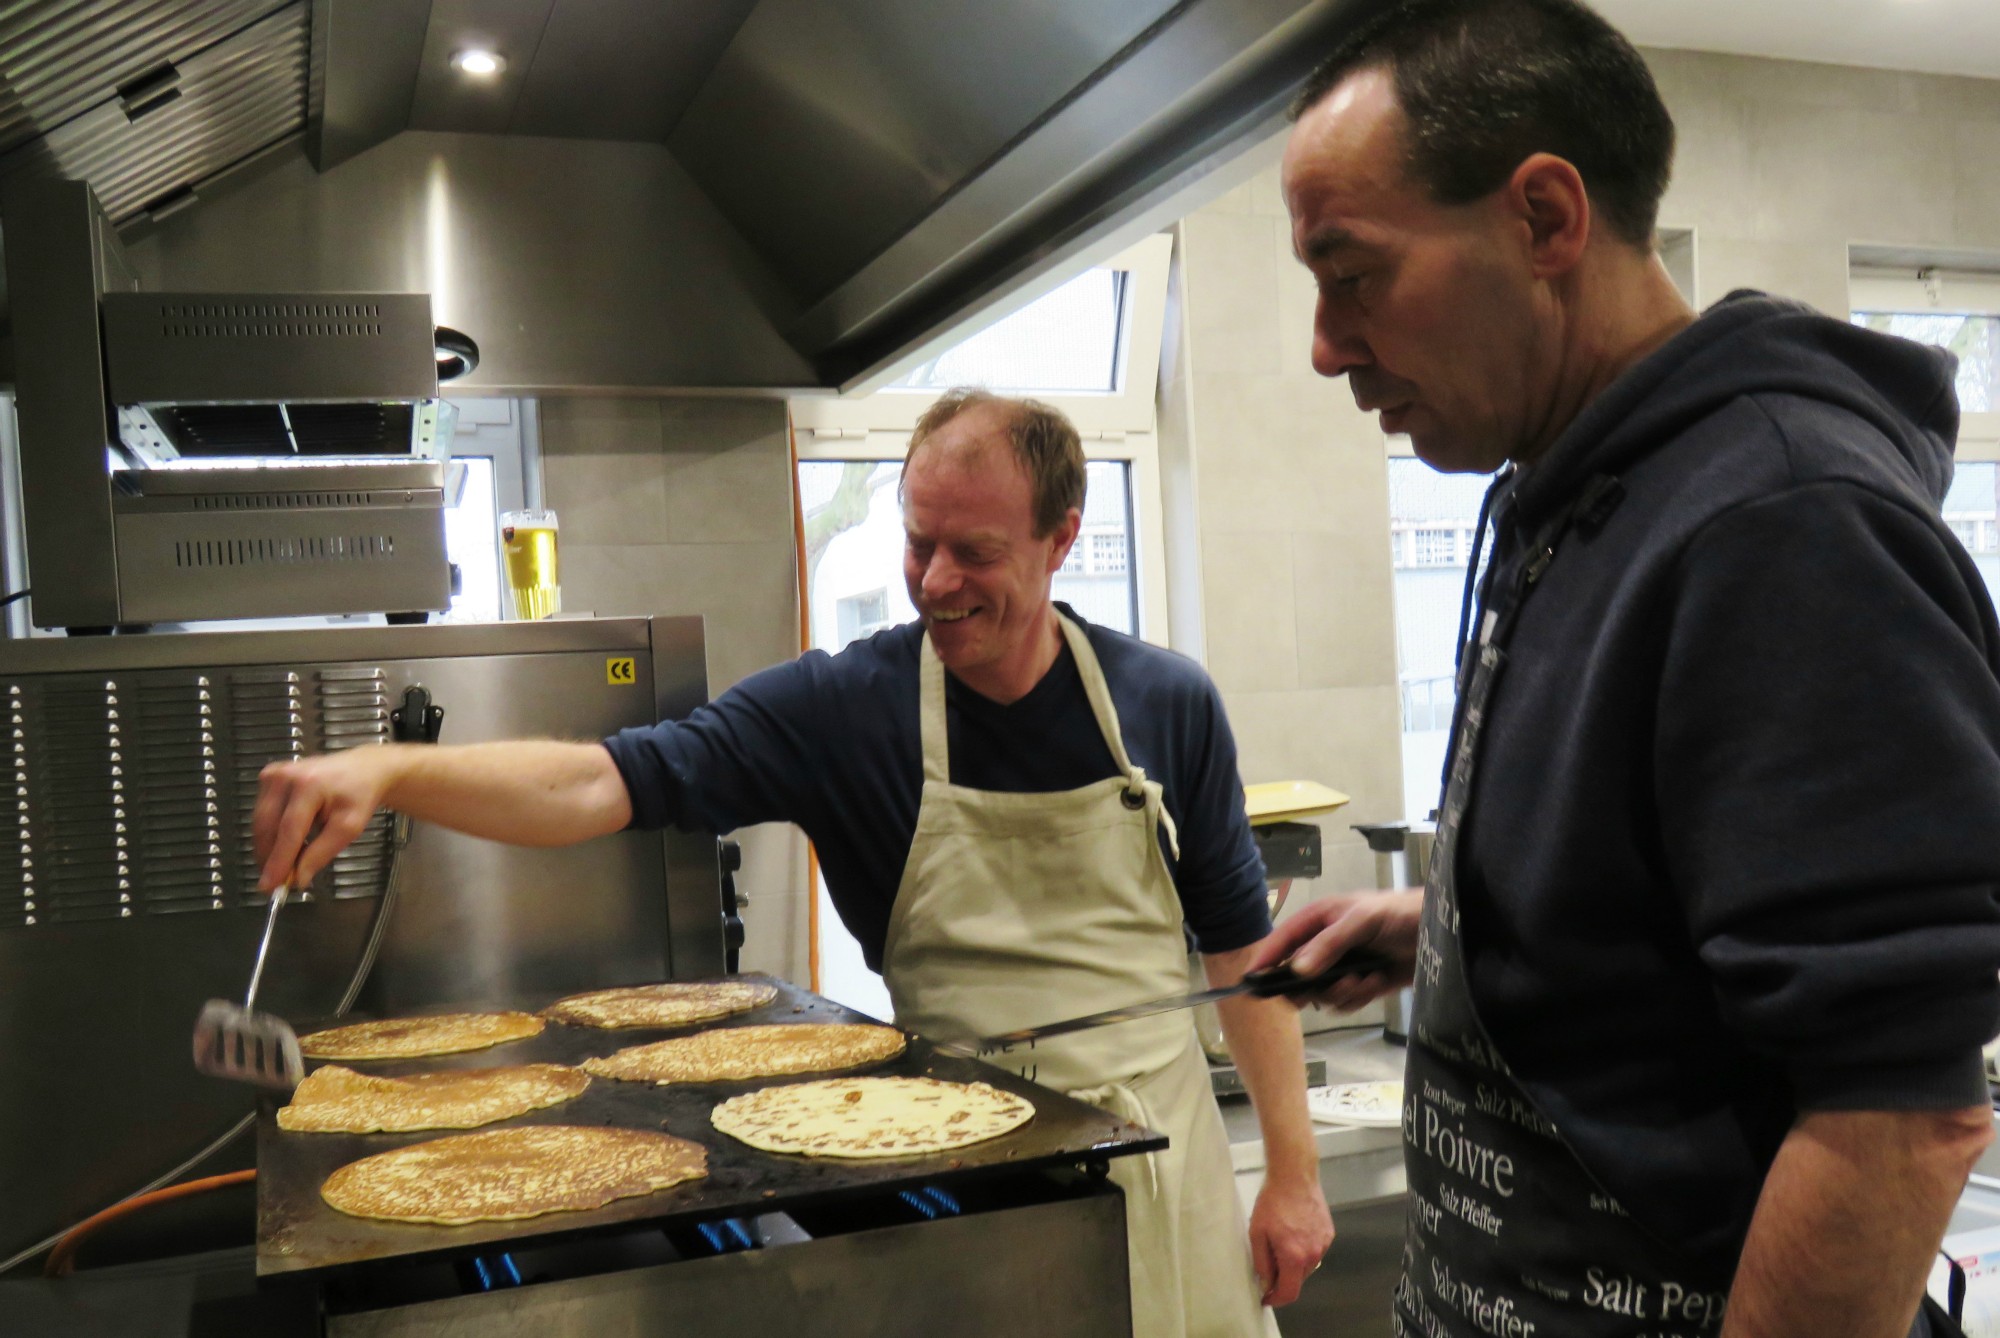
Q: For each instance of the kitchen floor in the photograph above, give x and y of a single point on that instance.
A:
(1350, 1296)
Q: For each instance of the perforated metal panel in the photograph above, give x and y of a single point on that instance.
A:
(132, 791)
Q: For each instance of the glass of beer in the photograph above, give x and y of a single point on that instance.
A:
(528, 542)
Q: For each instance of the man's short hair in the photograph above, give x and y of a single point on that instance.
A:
(1045, 442)
(1487, 83)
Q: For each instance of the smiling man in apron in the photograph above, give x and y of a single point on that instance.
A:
(1020, 817)
(1708, 948)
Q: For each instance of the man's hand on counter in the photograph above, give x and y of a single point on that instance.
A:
(530, 792)
(1323, 931)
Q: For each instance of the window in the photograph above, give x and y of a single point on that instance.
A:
(1065, 341)
(1431, 521)
(1107, 553)
(1974, 338)
(859, 616)
(470, 541)
(1953, 309)
(1972, 510)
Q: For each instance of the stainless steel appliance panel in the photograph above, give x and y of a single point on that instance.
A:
(479, 922)
(264, 543)
(96, 1092)
(61, 253)
(222, 348)
(1052, 1270)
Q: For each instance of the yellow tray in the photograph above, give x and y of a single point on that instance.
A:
(1288, 801)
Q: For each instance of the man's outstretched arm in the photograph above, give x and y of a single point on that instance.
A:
(532, 792)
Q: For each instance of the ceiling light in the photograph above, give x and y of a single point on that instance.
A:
(479, 64)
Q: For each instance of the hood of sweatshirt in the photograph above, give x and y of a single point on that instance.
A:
(1750, 343)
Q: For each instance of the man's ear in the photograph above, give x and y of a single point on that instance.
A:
(1548, 194)
(1064, 537)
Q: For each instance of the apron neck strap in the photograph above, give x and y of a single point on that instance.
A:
(930, 715)
(1099, 692)
(931, 709)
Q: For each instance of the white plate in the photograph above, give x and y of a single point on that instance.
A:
(1364, 1105)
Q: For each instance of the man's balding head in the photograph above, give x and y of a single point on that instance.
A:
(1043, 441)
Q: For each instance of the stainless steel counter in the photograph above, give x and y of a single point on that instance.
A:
(1355, 1165)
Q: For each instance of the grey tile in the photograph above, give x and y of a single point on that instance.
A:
(1348, 738)
(1247, 610)
(617, 497)
(1231, 292)
(1344, 603)
(745, 591)
(599, 425)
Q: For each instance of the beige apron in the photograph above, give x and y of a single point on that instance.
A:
(1017, 909)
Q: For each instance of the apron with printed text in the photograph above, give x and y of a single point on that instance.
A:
(1016, 909)
(1508, 1234)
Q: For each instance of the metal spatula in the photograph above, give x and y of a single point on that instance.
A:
(243, 1044)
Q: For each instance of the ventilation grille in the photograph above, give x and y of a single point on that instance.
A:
(279, 501)
(270, 320)
(132, 794)
(269, 552)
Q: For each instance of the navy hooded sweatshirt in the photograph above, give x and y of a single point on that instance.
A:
(1732, 850)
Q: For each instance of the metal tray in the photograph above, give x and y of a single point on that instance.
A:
(298, 1234)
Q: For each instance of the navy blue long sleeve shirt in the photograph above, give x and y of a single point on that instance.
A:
(831, 742)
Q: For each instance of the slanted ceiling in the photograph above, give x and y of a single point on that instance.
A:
(888, 164)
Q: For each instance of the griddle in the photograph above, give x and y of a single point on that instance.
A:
(299, 1235)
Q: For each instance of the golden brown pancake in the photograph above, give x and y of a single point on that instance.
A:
(414, 1037)
(673, 1004)
(504, 1175)
(871, 1117)
(727, 1053)
(336, 1100)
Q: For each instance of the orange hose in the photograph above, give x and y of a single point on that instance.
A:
(805, 643)
(63, 1257)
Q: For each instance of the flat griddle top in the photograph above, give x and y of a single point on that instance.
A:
(297, 1233)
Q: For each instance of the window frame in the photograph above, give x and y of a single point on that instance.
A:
(1945, 292)
(1119, 426)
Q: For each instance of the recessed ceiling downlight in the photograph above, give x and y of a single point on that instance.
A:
(477, 63)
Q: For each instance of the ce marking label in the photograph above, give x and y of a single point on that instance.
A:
(621, 670)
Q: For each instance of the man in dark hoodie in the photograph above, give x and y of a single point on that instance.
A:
(1710, 942)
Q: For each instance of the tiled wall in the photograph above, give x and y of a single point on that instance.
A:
(685, 506)
(1783, 164)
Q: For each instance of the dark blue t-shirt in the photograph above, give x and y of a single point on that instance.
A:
(831, 742)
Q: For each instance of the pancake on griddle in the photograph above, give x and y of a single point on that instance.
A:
(673, 1004)
(727, 1053)
(504, 1175)
(336, 1100)
(415, 1037)
(871, 1117)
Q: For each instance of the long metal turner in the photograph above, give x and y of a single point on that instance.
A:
(243, 1044)
(1270, 983)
